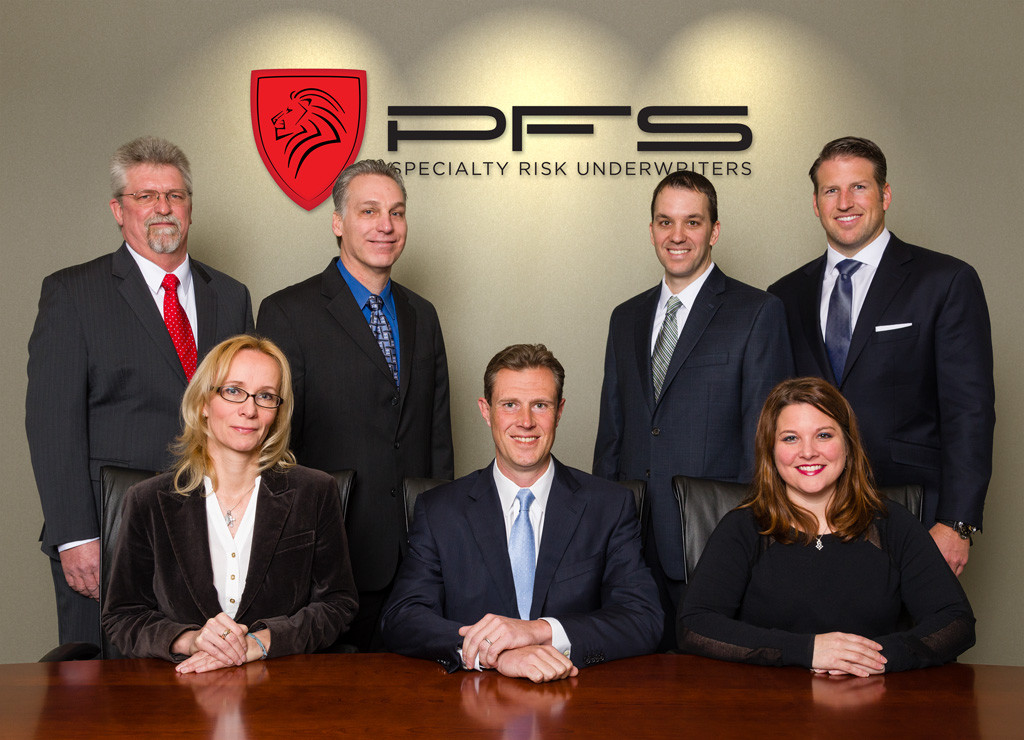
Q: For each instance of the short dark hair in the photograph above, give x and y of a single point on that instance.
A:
(363, 167)
(688, 180)
(851, 146)
(523, 357)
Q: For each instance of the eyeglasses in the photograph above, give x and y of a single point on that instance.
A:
(152, 197)
(263, 399)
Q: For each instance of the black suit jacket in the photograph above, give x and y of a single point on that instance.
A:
(348, 414)
(923, 393)
(105, 382)
(590, 574)
(299, 583)
(731, 351)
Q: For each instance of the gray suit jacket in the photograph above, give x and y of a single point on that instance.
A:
(105, 382)
(731, 351)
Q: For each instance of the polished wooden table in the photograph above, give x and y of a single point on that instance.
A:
(383, 696)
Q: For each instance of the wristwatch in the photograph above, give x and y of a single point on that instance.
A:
(963, 529)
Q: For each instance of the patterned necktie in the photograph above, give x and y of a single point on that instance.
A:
(839, 323)
(665, 345)
(382, 331)
(522, 553)
(178, 326)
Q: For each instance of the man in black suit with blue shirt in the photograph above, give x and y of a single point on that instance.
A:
(687, 368)
(527, 566)
(904, 333)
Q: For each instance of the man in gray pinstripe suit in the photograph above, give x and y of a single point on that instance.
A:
(104, 377)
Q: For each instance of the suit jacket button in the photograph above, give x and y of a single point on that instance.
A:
(394, 400)
(655, 432)
(393, 493)
(397, 444)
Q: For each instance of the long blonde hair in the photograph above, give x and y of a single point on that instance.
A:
(192, 445)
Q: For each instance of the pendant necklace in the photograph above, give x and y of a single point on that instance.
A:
(818, 545)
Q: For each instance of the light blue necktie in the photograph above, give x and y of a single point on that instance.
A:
(839, 322)
(522, 553)
(382, 331)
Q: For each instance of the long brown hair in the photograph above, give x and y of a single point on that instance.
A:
(856, 501)
(192, 445)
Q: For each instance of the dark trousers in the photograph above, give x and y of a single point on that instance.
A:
(78, 617)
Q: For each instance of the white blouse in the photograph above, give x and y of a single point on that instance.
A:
(229, 556)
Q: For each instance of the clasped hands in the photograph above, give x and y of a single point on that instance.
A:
(514, 647)
(839, 653)
(219, 643)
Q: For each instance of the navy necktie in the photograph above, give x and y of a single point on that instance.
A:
(839, 323)
(382, 331)
(522, 553)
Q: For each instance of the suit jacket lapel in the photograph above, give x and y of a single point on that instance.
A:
(704, 308)
(406, 338)
(342, 306)
(643, 326)
(888, 279)
(487, 523)
(206, 308)
(275, 501)
(136, 294)
(809, 306)
(185, 519)
(561, 518)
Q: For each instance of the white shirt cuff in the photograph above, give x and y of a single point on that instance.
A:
(559, 640)
(76, 543)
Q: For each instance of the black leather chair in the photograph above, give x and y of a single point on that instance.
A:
(344, 479)
(114, 484)
(703, 503)
(411, 489)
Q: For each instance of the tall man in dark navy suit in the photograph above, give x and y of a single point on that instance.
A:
(526, 566)
(688, 366)
(105, 377)
(914, 355)
(370, 376)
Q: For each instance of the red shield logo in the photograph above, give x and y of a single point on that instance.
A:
(308, 125)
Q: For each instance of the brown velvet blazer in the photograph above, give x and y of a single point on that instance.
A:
(299, 584)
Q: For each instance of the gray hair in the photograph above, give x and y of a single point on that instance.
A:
(147, 150)
(363, 167)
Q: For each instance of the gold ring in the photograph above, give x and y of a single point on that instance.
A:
(225, 633)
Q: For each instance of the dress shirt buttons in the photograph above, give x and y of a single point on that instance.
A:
(655, 432)
(232, 577)
(232, 554)
(231, 600)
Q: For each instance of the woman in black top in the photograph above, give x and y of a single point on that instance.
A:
(815, 568)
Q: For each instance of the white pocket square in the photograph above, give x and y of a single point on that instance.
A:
(891, 327)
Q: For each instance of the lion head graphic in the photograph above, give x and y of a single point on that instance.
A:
(311, 120)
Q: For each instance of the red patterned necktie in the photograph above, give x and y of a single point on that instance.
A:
(178, 326)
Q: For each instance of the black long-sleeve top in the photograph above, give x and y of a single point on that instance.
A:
(754, 600)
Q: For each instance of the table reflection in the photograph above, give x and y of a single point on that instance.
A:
(519, 709)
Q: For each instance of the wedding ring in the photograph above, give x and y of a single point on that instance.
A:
(225, 633)
(488, 641)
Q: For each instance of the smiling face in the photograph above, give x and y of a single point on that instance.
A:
(683, 233)
(240, 428)
(372, 229)
(159, 231)
(810, 454)
(523, 413)
(850, 204)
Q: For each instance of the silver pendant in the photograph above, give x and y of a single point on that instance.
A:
(230, 521)
(819, 545)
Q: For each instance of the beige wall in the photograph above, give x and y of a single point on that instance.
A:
(937, 84)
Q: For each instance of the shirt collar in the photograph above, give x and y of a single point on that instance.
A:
(869, 255)
(507, 490)
(687, 295)
(360, 292)
(153, 274)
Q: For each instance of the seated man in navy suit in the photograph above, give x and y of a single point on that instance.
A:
(527, 567)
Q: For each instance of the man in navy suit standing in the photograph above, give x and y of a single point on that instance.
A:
(115, 343)
(528, 567)
(688, 366)
(904, 333)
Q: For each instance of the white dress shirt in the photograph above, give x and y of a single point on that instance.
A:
(686, 297)
(869, 256)
(153, 274)
(229, 555)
